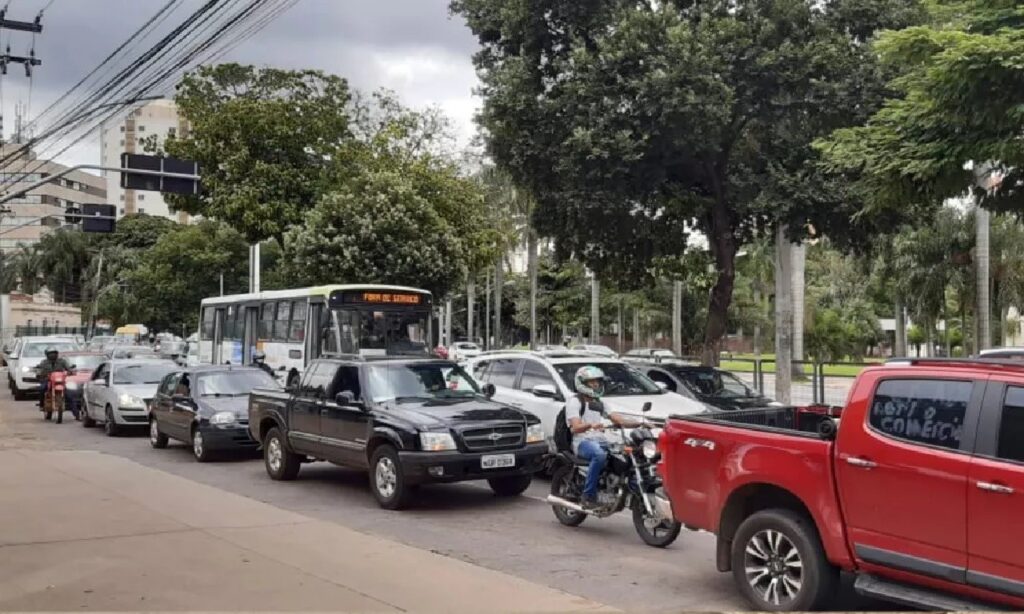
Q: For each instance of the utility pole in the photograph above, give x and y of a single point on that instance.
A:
(95, 297)
(677, 317)
(595, 310)
(254, 268)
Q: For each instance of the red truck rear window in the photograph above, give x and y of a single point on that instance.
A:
(923, 411)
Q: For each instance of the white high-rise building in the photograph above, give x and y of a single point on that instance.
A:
(128, 133)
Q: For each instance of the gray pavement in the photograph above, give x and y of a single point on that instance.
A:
(604, 562)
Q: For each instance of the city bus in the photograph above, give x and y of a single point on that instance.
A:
(293, 327)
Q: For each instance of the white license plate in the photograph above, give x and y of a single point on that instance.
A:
(497, 461)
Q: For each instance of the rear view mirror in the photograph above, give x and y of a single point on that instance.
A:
(545, 391)
(489, 390)
(646, 408)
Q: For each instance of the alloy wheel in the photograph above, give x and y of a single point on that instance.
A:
(274, 454)
(773, 567)
(387, 477)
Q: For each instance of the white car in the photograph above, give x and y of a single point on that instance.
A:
(600, 350)
(119, 393)
(463, 350)
(649, 355)
(540, 383)
(21, 363)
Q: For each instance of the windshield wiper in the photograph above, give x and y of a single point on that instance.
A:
(412, 398)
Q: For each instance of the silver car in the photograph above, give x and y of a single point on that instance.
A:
(119, 393)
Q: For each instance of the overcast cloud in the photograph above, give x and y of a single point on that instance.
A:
(410, 46)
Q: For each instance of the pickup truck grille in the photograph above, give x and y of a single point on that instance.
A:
(493, 438)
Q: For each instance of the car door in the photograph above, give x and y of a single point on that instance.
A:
(343, 427)
(536, 373)
(305, 430)
(902, 475)
(995, 493)
(97, 391)
(182, 408)
(160, 407)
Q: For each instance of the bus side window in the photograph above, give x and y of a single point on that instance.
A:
(206, 330)
(284, 312)
(328, 334)
(267, 321)
(297, 331)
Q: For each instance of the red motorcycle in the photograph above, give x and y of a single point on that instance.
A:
(54, 399)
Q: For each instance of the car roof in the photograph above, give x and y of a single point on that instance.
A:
(200, 369)
(84, 353)
(124, 362)
(555, 357)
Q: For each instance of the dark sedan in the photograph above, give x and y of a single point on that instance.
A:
(718, 388)
(206, 407)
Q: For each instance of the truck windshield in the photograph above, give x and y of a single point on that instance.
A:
(422, 381)
(621, 380)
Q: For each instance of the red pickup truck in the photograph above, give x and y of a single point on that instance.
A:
(919, 492)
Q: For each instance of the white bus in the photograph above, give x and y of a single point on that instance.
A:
(292, 327)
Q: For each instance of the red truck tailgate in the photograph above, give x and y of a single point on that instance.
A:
(708, 464)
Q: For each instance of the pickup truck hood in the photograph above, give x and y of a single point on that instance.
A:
(662, 405)
(448, 413)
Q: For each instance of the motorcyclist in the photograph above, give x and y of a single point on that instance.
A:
(585, 415)
(259, 359)
(53, 363)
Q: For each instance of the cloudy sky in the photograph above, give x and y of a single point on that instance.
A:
(410, 46)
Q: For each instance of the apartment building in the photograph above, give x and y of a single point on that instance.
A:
(130, 133)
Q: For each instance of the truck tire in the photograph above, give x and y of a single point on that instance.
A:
(387, 481)
(779, 565)
(281, 463)
(510, 486)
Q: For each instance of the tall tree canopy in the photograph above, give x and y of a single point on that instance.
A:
(634, 122)
(958, 101)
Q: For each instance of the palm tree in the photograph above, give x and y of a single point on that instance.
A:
(64, 258)
(26, 268)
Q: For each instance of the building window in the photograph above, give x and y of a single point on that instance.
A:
(172, 132)
(142, 197)
(122, 141)
(122, 210)
(122, 197)
(122, 128)
(141, 210)
(142, 128)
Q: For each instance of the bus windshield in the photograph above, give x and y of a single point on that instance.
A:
(392, 332)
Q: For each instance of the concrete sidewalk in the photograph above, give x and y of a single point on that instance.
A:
(89, 531)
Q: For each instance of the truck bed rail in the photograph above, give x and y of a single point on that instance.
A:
(793, 420)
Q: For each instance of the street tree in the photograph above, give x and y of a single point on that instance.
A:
(636, 122)
(268, 143)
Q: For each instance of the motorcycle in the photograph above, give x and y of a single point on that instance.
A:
(630, 480)
(53, 402)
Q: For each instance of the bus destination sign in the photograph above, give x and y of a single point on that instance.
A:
(381, 297)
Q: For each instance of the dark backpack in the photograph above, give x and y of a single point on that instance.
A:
(563, 435)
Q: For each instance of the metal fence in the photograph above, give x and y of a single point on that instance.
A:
(812, 382)
(44, 331)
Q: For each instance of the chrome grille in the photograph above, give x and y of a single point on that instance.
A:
(493, 438)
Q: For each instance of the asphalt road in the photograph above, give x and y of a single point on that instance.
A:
(602, 560)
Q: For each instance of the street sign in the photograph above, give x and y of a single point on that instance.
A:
(155, 168)
(98, 218)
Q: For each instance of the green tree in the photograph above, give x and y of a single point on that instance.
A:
(634, 122)
(956, 105)
(268, 143)
(64, 257)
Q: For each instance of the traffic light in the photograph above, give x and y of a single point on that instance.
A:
(155, 182)
(98, 218)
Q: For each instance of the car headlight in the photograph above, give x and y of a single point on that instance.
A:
(27, 369)
(534, 433)
(436, 442)
(650, 449)
(130, 400)
(71, 385)
(223, 417)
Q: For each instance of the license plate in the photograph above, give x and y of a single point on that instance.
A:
(497, 461)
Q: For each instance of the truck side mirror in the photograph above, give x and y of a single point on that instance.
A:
(646, 408)
(489, 390)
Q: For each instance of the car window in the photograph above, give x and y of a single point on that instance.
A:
(38, 350)
(503, 372)
(101, 373)
(480, 370)
(85, 363)
(664, 378)
(621, 379)
(1011, 426)
(152, 373)
(167, 387)
(419, 382)
(346, 379)
(233, 383)
(318, 380)
(535, 374)
(927, 412)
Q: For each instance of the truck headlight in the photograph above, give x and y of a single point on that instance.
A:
(534, 433)
(223, 417)
(130, 400)
(27, 369)
(650, 449)
(436, 442)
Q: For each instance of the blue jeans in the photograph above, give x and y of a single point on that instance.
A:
(43, 385)
(597, 453)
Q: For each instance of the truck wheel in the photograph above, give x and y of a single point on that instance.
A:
(779, 565)
(387, 481)
(510, 486)
(655, 531)
(566, 484)
(281, 463)
(156, 439)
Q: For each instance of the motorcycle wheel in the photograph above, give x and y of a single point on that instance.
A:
(566, 485)
(655, 532)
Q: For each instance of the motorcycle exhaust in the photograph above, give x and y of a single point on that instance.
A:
(560, 502)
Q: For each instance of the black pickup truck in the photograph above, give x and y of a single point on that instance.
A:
(408, 421)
